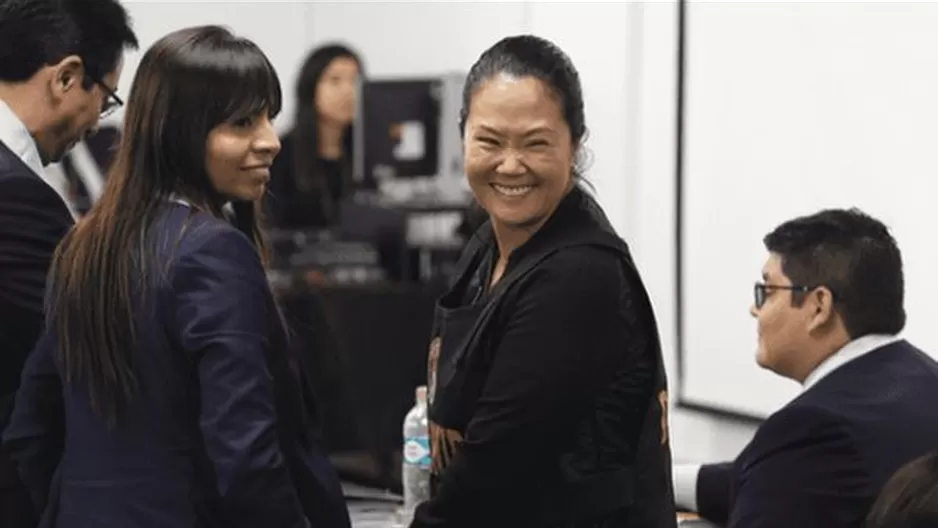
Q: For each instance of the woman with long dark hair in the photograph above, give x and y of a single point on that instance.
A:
(314, 172)
(164, 353)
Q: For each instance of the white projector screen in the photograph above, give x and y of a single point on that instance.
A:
(790, 108)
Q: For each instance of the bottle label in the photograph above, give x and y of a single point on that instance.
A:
(417, 451)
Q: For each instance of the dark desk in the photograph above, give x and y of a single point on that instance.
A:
(368, 348)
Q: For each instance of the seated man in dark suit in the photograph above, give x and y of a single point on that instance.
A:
(828, 312)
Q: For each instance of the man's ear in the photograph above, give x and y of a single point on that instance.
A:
(67, 75)
(821, 303)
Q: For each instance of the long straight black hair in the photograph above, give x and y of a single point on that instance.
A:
(305, 133)
(188, 82)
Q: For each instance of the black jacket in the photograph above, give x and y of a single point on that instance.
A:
(548, 394)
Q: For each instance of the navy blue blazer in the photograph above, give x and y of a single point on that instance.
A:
(821, 461)
(219, 434)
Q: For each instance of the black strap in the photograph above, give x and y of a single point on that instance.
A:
(496, 295)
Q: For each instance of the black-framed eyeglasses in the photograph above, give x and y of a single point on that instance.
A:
(761, 291)
(112, 103)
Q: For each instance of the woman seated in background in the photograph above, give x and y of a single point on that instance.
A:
(313, 172)
(910, 498)
(182, 406)
(547, 390)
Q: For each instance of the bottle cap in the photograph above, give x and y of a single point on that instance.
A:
(421, 393)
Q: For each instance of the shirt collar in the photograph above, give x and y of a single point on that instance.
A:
(852, 350)
(15, 135)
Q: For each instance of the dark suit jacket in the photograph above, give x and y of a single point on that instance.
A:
(821, 461)
(219, 433)
(33, 220)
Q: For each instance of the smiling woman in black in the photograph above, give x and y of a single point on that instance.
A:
(548, 398)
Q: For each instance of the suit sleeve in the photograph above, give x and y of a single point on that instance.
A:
(714, 490)
(801, 470)
(32, 223)
(221, 302)
(548, 362)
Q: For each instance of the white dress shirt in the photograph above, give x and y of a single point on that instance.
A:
(15, 135)
(87, 169)
(685, 475)
(685, 486)
(852, 350)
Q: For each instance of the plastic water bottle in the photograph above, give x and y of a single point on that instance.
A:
(416, 470)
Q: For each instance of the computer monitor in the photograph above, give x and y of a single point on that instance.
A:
(397, 129)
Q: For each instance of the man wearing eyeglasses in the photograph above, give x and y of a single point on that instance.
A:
(60, 61)
(829, 310)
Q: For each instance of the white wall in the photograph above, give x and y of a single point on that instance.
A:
(625, 52)
(415, 38)
(653, 83)
(279, 28)
(841, 116)
(599, 44)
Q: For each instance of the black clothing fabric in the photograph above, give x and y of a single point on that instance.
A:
(291, 206)
(548, 398)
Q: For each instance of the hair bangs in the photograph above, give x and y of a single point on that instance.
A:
(248, 85)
